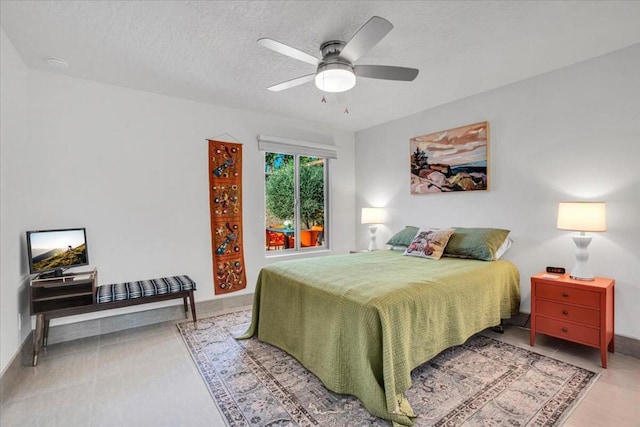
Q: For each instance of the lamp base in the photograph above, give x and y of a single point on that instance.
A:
(372, 242)
(581, 270)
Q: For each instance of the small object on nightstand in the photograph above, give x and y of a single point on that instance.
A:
(574, 310)
(557, 270)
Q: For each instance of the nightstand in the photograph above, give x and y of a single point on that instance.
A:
(574, 310)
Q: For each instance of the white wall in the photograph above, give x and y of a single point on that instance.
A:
(132, 168)
(572, 134)
(13, 137)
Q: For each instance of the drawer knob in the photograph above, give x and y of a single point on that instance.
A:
(565, 294)
(565, 330)
(565, 312)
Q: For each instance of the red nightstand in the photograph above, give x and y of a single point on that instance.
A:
(574, 310)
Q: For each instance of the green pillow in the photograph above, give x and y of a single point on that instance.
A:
(475, 243)
(403, 237)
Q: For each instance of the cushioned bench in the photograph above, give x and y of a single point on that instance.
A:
(118, 295)
(146, 291)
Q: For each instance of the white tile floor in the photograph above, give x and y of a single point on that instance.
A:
(145, 377)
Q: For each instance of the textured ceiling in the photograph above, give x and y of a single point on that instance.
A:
(207, 51)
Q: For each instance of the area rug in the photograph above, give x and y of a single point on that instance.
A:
(482, 382)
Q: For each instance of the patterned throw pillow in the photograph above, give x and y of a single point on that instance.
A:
(429, 243)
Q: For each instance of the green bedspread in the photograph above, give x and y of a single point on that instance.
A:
(362, 322)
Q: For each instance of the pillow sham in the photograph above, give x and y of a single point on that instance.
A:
(504, 247)
(476, 243)
(403, 237)
(429, 243)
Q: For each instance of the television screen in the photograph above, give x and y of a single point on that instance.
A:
(53, 251)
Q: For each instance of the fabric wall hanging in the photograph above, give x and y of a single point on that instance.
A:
(225, 190)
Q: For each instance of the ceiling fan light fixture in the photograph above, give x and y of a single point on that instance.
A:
(335, 77)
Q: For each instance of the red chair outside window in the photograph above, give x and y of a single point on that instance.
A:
(274, 240)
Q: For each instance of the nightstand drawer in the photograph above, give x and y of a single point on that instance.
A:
(568, 295)
(569, 331)
(569, 312)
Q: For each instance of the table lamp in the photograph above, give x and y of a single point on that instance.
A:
(373, 217)
(582, 217)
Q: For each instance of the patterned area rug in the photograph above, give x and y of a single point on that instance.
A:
(482, 382)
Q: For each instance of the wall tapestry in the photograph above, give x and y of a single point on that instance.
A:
(451, 160)
(225, 190)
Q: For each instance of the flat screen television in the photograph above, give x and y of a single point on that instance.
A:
(53, 251)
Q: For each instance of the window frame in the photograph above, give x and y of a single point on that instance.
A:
(299, 149)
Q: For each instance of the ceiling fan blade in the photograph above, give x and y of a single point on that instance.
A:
(292, 83)
(386, 72)
(288, 51)
(367, 36)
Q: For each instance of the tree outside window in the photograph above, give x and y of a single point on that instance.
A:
(295, 201)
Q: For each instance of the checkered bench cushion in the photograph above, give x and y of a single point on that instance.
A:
(144, 288)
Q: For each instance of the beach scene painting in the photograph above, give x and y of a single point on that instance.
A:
(450, 160)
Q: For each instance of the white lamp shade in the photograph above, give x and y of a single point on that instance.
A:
(373, 215)
(582, 216)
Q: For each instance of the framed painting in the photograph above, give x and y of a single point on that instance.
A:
(451, 160)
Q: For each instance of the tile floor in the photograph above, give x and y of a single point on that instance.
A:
(145, 377)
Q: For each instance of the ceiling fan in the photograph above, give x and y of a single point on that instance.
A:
(336, 71)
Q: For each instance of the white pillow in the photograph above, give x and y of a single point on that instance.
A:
(504, 247)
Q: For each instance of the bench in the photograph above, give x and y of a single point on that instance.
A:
(146, 291)
(119, 295)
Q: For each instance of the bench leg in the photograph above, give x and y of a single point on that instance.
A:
(186, 309)
(193, 306)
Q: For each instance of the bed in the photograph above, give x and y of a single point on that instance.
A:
(362, 322)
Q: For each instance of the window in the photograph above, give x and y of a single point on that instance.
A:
(296, 195)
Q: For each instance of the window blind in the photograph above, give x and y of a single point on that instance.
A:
(276, 144)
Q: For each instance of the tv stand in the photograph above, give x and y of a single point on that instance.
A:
(57, 294)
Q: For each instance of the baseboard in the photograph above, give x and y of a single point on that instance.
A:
(627, 346)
